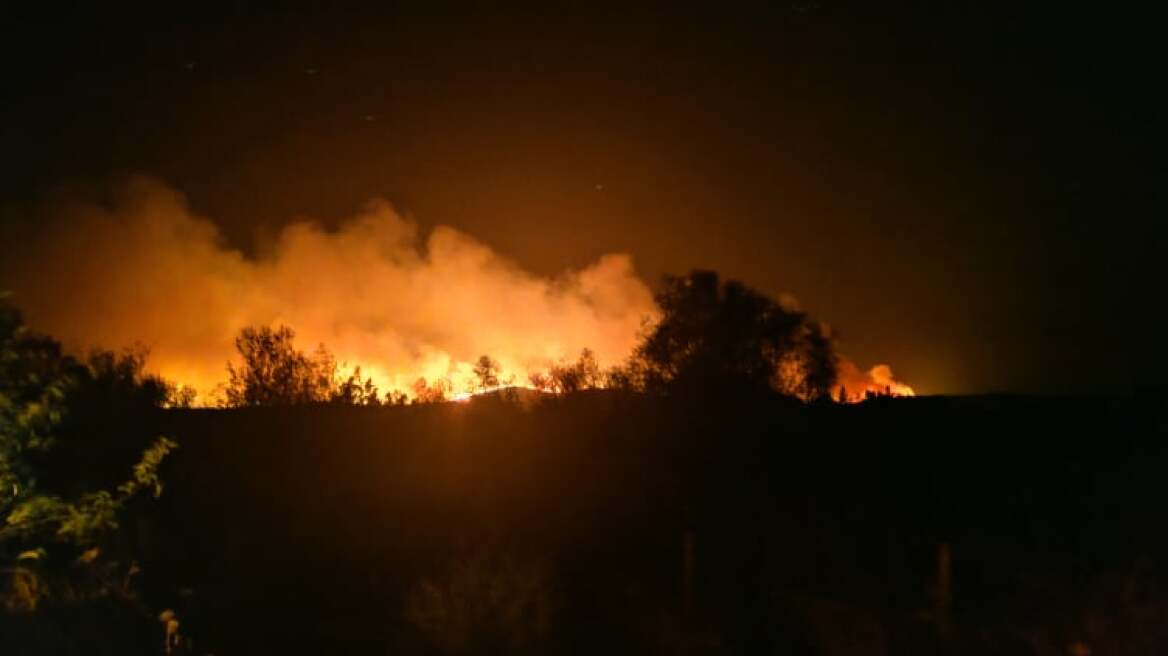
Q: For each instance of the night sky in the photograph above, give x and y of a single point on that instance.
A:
(976, 197)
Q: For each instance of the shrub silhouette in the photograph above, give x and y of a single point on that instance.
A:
(486, 371)
(427, 392)
(565, 378)
(275, 373)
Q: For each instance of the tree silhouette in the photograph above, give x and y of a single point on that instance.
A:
(565, 378)
(355, 391)
(274, 372)
(715, 333)
(396, 397)
(435, 392)
(486, 371)
(580, 375)
(809, 370)
(112, 384)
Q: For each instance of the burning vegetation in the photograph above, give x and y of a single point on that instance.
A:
(710, 335)
(403, 319)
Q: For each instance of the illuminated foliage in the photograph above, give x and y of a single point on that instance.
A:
(35, 379)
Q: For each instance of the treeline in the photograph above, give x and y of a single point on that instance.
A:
(713, 334)
(273, 372)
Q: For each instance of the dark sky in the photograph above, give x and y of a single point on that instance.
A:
(975, 196)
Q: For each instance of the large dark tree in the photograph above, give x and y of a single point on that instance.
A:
(275, 372)
(714, 333)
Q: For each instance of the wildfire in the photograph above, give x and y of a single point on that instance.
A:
(856, 385)
(143, 269)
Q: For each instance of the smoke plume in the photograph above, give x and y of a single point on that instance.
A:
(146, 270)
(142, 269)
(856, 385)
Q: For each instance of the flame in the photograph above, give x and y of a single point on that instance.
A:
(143, 268)
(856, 385)
(377, 294)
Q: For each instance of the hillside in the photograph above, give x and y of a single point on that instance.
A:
(632, 524)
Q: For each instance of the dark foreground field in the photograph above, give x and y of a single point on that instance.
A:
(614, 523)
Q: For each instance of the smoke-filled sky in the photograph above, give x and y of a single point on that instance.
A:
(377, 294)
(137, 269)
(974, 196)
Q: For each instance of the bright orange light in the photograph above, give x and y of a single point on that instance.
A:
(856, 385)
(402, 305)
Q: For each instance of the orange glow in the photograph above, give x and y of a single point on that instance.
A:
(376, 293)
(857, 385)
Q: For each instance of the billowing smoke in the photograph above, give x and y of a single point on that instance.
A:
(146, 270)
(142, 269)
(856, 385)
